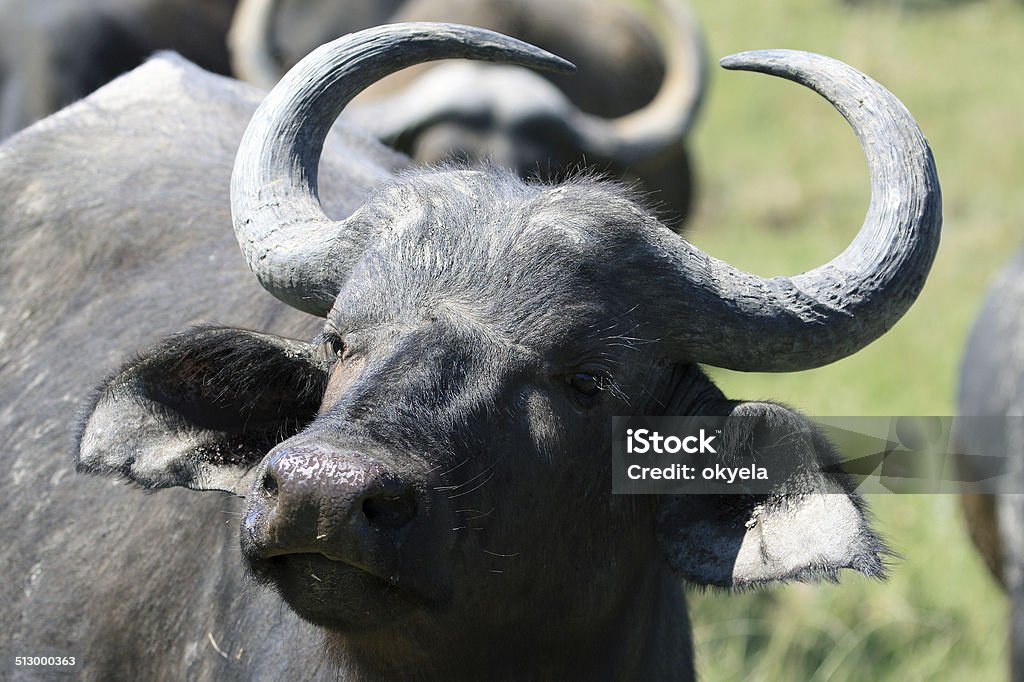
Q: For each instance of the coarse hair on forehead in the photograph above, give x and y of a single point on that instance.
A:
(450, 202)
(449, 220)
(484, 239)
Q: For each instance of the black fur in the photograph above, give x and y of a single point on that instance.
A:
(464, 327)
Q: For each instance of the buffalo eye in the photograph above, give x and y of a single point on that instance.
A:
(334, 347)
(586, 384)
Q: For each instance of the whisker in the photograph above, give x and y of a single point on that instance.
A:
(509, 556)
(477, 487)
(450, 470)
(478, 514)
(489, 469)
(470, 480)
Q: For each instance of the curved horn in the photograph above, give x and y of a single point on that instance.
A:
(250, 43)
(741, 321)
(298, 253)
(672, 112)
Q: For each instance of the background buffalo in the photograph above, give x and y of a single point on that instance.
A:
(55, 52)
(626, 111)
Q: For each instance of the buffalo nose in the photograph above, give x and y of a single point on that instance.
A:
(314, 498)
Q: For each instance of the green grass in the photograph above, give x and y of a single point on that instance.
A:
(783, 188)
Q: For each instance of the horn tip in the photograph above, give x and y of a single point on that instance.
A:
(509, 49)
(557, 64)
(760, 60)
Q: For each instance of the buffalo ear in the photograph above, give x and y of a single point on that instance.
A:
(808, 529)
(201, 409)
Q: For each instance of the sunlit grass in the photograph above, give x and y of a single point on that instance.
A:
(783, 189)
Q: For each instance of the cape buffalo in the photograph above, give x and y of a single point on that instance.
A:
(991, 388)
(627, 110)
(427, 480)
(57, 51)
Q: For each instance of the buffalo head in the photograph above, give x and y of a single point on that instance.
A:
(429, 479)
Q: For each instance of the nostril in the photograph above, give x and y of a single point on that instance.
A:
(388, 509)
(270, 484)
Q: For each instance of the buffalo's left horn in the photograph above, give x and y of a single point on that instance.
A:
(297, 252)
(730, 318)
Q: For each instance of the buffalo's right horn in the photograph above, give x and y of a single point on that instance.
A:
(299, 254)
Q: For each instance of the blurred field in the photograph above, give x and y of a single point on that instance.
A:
(783, 189)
